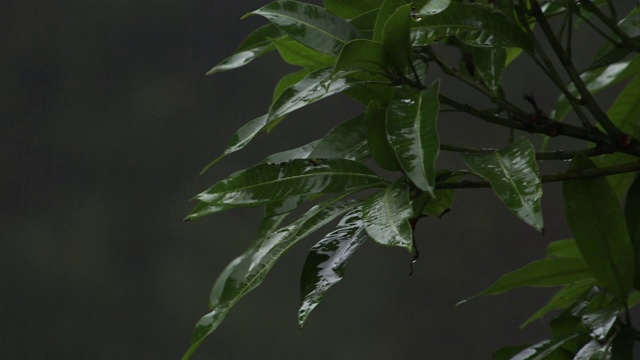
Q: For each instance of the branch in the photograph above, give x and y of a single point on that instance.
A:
(625, 40)
(569, 175)
(541, 155)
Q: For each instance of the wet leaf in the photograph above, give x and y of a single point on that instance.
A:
(240, 139)
(379, 146)
(326, 262)
(598, 225)
(386, 216)
(249, 270)
(544, 350)
(599, 323)
(593, 350)
(362, 54)
(473, 25)
(302, 152)
(309, 24)
(489, 65)
(266, 183)
(412, 132)
(349, 9)
(432, 7)
(346, 141)
(255, 45)
(396, 38)
(513, 174)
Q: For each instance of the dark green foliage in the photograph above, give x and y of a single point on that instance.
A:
(382, 54)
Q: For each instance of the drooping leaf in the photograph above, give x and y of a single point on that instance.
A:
(349, 9)
(346, 141)
(541, 273)
(265, 183)
(326, 262)
(562, 299)
(563, 248)
(599, 323)
(595, 81)
(379, 146)
(432, 7)
(544, 350)
(386, 216)
(240, 139)
(632, 217)
(301, 152)
(412, 133)
(513, 174)
(256, 44)
(489, 64)
(396, 38)
(311, 25)
(596, 219)
(473, 25)
(288, 81)
(295, 53)
(362, 54)
(316, 86)
(249, 270)
(593, 350)
(387, 9)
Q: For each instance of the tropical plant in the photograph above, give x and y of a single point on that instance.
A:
(384, 54)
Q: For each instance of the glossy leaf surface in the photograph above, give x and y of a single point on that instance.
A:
(266, 183)
(256, 44)
(599, 323)
(396, 37)
(295, 53)
(349, 9)
(593, 350)
(365, 55)
(562, 299)
(432, 7)
(489, 64)
(241, 138)
(513, 174)
(386, 216)
(302, 152)
(543, 350)
(326, 262)
(348, 141)
(249, 270)
(287, 81)
(412, 133)
(600, 231)
(311, 25)
(473, 25)
(387, 9)
(381, 150)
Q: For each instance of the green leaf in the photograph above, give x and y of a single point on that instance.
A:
(365, 23)
(240, 139)
(595, 81)
(346, 141)
(632, 217)
(411, 130)
(349, 9)
(249, 270)
(379, 146)
(562, 299)
(266, 183)
(387, 9)
(513, 174)
(599, 323)
(301, 152)
(386, 216)
(288, 81)
(362, 54)
(315, 86)
(598, 225)
(473, 25)
(432, 7)
(544, 350)
(326, 262)
(593, 350)
(541, 273)
(563, 248)
(255, 45)
(489, 64)
(295, 53)
(396, 38)
(311, 25)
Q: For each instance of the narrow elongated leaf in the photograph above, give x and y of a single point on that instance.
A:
(349, 9)
(267, 183)
(248, 271)
(256, 44)
(381, 150)
(562, 299)
(362, 54)
(240, 139)
(595, 81)
(632, 217)
(287, 81)
(326, 262)
(295, 53)
(316, 86)
(396, 38)
(593, 350)
(386, 216)
(473, 25)
(432, 7)
(489, 64)
(387, 9)
(513, 174)
(599, 323)
(301, 152)
(563, 248)
(412, 132)
(541, 273)
(598, 225)
(346, 141)
(543, 350)
(309, 24)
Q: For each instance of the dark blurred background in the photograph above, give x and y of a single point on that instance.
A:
(107, 119)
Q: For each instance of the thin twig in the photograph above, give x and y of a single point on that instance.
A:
(625, 40)
(569, 175)
(541, 155)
